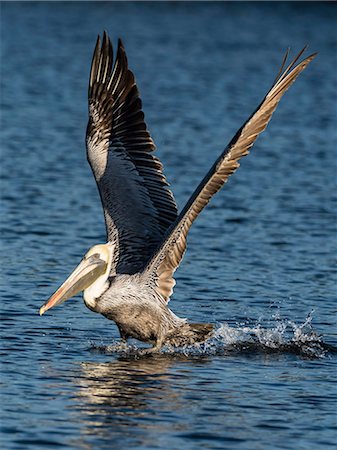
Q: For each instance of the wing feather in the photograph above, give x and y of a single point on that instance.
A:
(171, 251)
(138, 205)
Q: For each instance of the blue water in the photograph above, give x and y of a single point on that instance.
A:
(261, 257)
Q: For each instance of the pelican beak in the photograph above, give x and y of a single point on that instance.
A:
(85, 274)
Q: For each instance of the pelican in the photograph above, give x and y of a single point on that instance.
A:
(130, 278)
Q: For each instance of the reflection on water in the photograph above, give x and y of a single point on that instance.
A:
(121, 384)
(112, 399)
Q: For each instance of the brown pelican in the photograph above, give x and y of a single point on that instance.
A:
(130, 278)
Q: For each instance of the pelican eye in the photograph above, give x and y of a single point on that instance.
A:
(95, 255)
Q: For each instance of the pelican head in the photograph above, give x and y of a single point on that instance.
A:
(90, 276)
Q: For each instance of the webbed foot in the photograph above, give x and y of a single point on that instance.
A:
(150, 351)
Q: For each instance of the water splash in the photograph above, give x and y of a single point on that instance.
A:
(281, 336)
(278, 336)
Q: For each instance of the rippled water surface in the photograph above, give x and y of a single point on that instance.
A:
(260, 262)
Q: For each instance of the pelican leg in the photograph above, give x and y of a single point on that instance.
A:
(158, 345)
(155, 349)
(123, 345)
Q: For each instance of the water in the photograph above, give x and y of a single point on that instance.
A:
(260, 260)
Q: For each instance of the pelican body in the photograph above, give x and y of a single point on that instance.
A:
(129, 279)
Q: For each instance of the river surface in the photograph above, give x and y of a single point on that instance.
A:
(261, 257)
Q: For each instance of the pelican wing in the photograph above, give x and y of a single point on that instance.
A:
(138, 206)
(166, 260)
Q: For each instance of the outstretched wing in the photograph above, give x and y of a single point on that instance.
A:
(138, 206)
(166, 260)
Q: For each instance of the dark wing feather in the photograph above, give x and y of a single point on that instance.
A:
(166, 260)
(138, 206)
